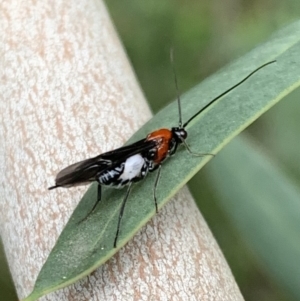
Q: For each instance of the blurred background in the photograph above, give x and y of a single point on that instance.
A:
(206, 35)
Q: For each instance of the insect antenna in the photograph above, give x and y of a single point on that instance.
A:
(176, 85)
(222, 94)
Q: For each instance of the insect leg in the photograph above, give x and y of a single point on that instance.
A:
(121, 214)
(193, 153)
(98, 198)
(155, 186)
(97, 202)
(98, 195)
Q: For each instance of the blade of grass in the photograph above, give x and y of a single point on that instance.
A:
(263, 203)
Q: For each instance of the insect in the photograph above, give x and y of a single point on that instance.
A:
(129, 164)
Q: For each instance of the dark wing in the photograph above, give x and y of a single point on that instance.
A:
(88, 170)
(128, 150)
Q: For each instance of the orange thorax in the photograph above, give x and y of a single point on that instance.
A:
(162, 138)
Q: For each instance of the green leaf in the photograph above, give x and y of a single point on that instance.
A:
(263, 203)
(208, 133)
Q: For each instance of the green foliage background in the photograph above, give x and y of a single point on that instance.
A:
(206, 35)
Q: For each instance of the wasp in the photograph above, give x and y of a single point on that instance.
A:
(130, 164)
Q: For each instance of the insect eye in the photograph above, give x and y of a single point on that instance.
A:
(183, 134)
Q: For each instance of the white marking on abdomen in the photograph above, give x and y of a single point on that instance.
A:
(133, 167)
